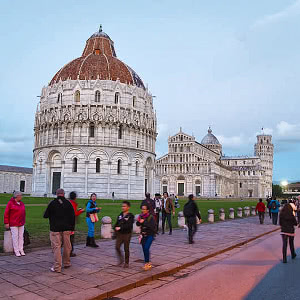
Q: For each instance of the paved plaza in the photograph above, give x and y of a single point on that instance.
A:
(94, 273)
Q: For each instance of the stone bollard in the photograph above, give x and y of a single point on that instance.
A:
(239, 212)
(231, 213)
(181, 220)
(7, 244)
(222, 214)
(247, 211)
(136, 229)
(253, 212)
(211, 216)
(106, 228)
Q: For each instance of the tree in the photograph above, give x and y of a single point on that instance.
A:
(277, 190)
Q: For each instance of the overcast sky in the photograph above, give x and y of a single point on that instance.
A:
(234, 65)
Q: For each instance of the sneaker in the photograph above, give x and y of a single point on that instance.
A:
(73, 254)
(22, 253)
(53, 270)
(18, 254)
(147, 267)
(294, 256)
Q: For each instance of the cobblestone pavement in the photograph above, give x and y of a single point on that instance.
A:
(94, 272)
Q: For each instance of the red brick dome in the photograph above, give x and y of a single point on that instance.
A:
(98, 61)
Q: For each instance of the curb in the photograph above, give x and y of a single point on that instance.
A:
(171, 271)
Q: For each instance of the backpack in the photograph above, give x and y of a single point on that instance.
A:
(273, 205)
(188, 209)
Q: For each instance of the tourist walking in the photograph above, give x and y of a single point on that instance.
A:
(123, 230)
(167, 210)
(61, 217)
(191, 211)
(274, 207)
(148, 227)
(14, 219)
(287, 221)
(158, 207)
(268, 206)
(78, 212)
(91, 218)
(260, 209)
(150, 203)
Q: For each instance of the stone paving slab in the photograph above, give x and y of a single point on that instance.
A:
(94, 274)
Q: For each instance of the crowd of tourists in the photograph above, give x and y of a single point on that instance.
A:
(63, 213)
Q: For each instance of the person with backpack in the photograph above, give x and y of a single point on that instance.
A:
(287, 221)
(123, 230)
(190, 212)
(148, 227)
(274, 207)
(91, 218)
(260, 209)
(167, 209)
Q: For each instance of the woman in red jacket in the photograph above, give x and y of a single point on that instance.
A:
(14, 219)
(78, 212)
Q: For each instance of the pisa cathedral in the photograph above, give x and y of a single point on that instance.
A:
(95, 131)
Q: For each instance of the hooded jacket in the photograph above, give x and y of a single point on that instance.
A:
(14, 214)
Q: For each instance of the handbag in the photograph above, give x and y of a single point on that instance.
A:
(94, 217)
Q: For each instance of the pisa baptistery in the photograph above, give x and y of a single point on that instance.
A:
(95, 128)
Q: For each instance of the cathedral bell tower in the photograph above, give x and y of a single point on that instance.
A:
(265, 149)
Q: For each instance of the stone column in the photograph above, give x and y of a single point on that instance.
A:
(247, 211)
(221, 214)
(106, 228)
(253, 212)
(211, 216)
(231, 213)
(108, 179)
(129, 179)
(62, 173)
(86, 177)
(239, 212)
(181, 220)
(7, 243)
(136, 229)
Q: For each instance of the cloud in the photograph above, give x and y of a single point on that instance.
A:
(288, 132)
(231, 142)
(288, 12)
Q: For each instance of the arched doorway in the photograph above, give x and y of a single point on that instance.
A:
(197, 188)
(148, 175)
(55, 171)
(180, 185)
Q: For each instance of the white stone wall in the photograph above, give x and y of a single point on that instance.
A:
(10, 181)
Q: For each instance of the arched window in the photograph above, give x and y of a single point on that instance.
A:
(117, 97)
(97, 96)
(75, 161)
(77, 96)
(136, 168)
(119, 166)
(120, 132)
(133, 101)
(98, 165)
(59, 98)
(92, 130)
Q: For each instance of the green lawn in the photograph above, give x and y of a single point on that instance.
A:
(39, 229)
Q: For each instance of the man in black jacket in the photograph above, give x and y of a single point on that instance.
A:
(190, 212)
(60, 213)
(123, 229)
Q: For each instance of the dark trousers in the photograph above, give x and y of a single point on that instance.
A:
(167, 217)
(261, 216)
(270, 214)
(72, 237)
(123, 238)
(192, 227)
(285, 239)
(274, 218)
(157, 221)
(146, 244)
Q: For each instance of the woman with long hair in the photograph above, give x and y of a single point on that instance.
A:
(91, 219)
(287, 221)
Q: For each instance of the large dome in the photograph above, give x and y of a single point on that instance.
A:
(98, 61)
(210, 139)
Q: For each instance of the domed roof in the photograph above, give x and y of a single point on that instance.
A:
(98, 61)
(210, 139)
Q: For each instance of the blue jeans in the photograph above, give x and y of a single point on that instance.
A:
(91, 227)
(146, 244)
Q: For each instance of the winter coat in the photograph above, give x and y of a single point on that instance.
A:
(148, 227)
(277, 206)
(168, 207)
(125, 223)
(260, 207)
(61, 215)
(14, 214)
(287, 222)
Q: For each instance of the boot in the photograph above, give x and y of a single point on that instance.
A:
(93, 243)
(88, 241)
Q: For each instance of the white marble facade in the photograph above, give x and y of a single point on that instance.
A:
(95, 135)
(197, 168)
(15, 179)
